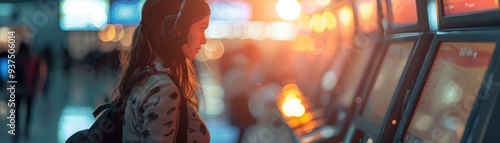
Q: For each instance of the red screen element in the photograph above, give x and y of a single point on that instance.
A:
(453, 7)
(404, 12)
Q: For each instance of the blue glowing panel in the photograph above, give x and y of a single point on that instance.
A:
(83, 15)
(6, 9)
(126, 12)
(230, 11)
(4, 69)
(74, 119)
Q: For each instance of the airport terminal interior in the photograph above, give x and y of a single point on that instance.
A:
(272, 71)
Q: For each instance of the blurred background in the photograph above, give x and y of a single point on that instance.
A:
(67, 56)
(272, 70)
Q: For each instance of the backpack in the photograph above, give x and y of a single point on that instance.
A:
(108, 127)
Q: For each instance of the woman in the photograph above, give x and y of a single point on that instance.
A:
(153, 103)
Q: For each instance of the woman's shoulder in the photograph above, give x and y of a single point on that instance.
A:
(158, 79)
(154, 84)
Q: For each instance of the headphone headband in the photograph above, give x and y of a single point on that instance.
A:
(180, 18)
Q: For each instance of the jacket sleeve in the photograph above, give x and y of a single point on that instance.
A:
(161, 114)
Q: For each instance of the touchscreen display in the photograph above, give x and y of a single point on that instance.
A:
(353, 78)
(386, 82)
(404, 12)
(450, 91)
(453, 7)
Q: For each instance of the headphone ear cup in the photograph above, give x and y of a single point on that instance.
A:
(167, 26)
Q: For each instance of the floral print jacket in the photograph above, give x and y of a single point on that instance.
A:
(152, 113)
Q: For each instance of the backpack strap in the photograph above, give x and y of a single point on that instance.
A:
(100, 109)
(183, 119)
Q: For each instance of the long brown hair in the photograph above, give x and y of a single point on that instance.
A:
(151, 41)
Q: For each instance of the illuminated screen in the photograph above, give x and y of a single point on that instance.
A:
(83, 14)
(230, 11)
(74, 119)
(126, 12)
(404, 12)
(387, 80)
(353, 77)
(452, 7)
(330, 77)
(450, 91)
(367, 15)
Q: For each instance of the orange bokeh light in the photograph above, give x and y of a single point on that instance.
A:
(346, 15)
(330, 18)
(318, 24)
(366, 10)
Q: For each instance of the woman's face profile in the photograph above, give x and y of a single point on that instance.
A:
(195, 38)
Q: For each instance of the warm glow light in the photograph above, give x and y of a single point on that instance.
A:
(293, 108)
(283, 31)
(288, 9)
(452, 93)
(323, 2)
(318, 24)
(119, 32)
(303, 43)
(202, 56)
(111, 32)
(293, 93)
(291, 101)
(214, 49)
(367, 16)
(289, 87)
(4, 35)
(366, 10)
(331, 20)
(346, 15)
(306, 117)
(309, 6)
(303, 22)
(102, 34)
(257, 30)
